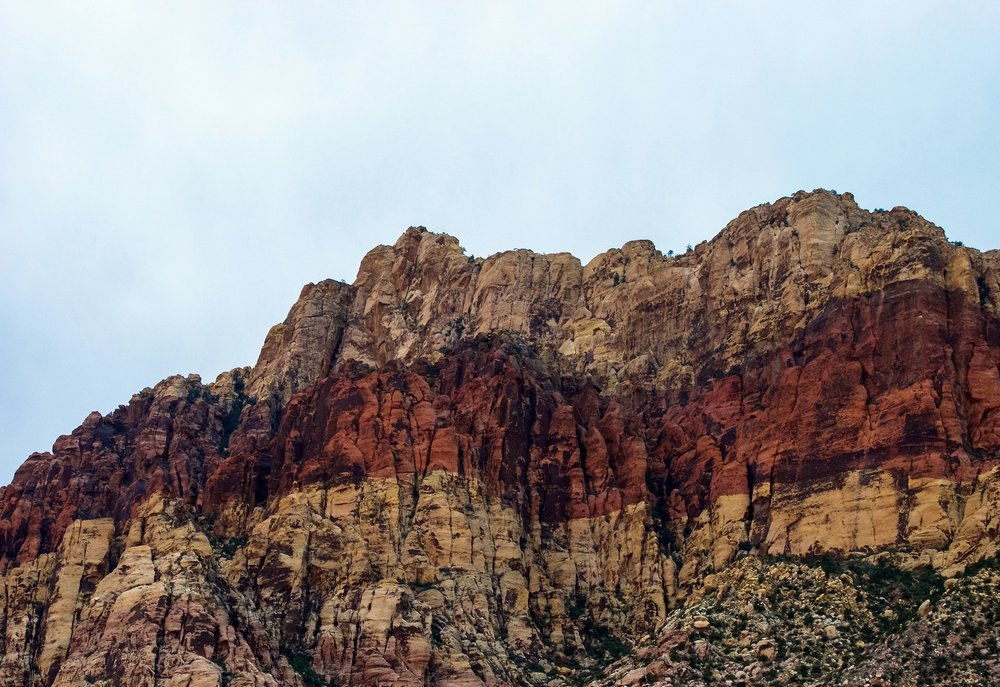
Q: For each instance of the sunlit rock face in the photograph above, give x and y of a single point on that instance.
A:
(526, 470)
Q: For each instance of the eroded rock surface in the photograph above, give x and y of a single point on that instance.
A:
(525, 470)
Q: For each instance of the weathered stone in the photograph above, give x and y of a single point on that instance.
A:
(766, 649)
(468, 471)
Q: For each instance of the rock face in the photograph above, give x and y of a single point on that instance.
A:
(525, 470)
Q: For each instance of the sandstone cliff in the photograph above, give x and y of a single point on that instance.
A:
(522, 469)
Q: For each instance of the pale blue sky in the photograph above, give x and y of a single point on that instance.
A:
(169, 178)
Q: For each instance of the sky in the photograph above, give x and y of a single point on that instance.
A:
(171, 174)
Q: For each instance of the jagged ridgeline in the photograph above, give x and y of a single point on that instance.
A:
(771, 459)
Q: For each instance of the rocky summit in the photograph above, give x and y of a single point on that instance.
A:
(772, 459)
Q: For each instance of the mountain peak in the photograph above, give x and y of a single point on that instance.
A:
(519, 469)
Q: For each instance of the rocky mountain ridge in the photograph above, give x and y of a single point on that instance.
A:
(522, 469)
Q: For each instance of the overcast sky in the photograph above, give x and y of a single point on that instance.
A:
(169, 178)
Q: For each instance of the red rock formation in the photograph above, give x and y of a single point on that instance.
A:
(467, 471)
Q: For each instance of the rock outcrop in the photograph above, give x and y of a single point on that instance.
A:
(525, 470)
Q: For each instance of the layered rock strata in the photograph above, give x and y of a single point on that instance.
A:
(511, 470)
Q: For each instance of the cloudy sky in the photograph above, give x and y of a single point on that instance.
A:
(170, 176)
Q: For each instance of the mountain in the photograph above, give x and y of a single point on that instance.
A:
(772, 459)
